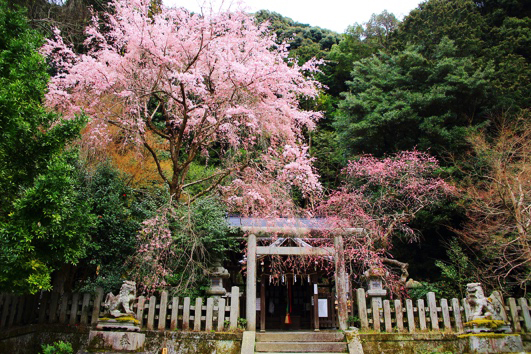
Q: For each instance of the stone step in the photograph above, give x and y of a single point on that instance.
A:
(300, 337)
(301, 347)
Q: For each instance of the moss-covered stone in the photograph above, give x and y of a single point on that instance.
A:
(492, 324)
(128, 319)
(487, 335)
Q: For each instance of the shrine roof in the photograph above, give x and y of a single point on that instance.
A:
(285, 225)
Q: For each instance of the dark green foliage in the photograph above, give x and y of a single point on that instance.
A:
(49, 226)
(43, 222)
(459, 20)
(457, 271)
(28, 135)
(358, 42)
(487, 31)
(422, 291)
(402, 101)
(119, 211)
(204, 224)
(305, 41)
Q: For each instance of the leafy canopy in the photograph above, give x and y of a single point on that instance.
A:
(183, 86)
(29, 135)
(408, 100)
(42, 219)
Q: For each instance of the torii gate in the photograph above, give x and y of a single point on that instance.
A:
(298, 226)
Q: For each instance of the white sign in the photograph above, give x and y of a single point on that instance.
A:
(257, 304)
(315, 289)
(323, 307)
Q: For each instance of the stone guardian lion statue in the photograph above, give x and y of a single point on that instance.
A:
(481, 307)
(120, 305)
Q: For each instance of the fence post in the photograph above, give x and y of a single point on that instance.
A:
(186, 314)
(28, 305)
(14, 303)
(63, 308)
(151, 313)
(140, 310)
(514, 314)
(399, 314)
(32, 309)
(197, 314)
(209, 314)
(410, 316)
(497, 295)
(457, 315)
(5, 311)
(221, 314)
(387, 316)
(21, 305)
(375, 314)
(466, 307)
(43, 305)
(362, 308)
(98, 298)
(446, 315)
(85, 309)
(53, 307)
(235, 307)
(422, 314)
(525, 314)
(162, 310)
(73, 309)
(174, 313)
(432, 303)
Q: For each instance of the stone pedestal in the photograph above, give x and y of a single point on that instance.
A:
(491, 343)
(117, 334)
(116, 341)
(128, 324)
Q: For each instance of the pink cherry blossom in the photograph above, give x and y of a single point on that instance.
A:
(193, 81)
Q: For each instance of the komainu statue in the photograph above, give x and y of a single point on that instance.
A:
(120, 305)
(481, 307)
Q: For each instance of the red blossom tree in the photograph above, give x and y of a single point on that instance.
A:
(191, 86)
(379, 198)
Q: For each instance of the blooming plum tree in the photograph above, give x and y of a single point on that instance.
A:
(379, 198)
(187, 86)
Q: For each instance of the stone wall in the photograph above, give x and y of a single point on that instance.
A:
(30, 338)
(409, 343)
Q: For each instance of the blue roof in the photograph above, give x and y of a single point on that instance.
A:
(304, 223)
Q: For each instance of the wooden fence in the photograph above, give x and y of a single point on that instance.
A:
(432, 314)
(165, 313)
(162, 313)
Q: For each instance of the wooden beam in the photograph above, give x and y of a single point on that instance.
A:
(295, 251)
(251, 283)
(298, 230)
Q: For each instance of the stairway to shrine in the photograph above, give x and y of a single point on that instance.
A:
(301, 342)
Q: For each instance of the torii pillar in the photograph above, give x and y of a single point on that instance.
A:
(341, 283)
(250, 298)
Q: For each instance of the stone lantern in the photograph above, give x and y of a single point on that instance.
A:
(216, 274)
(374, 276)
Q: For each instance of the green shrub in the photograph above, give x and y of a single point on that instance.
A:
(59, 347)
